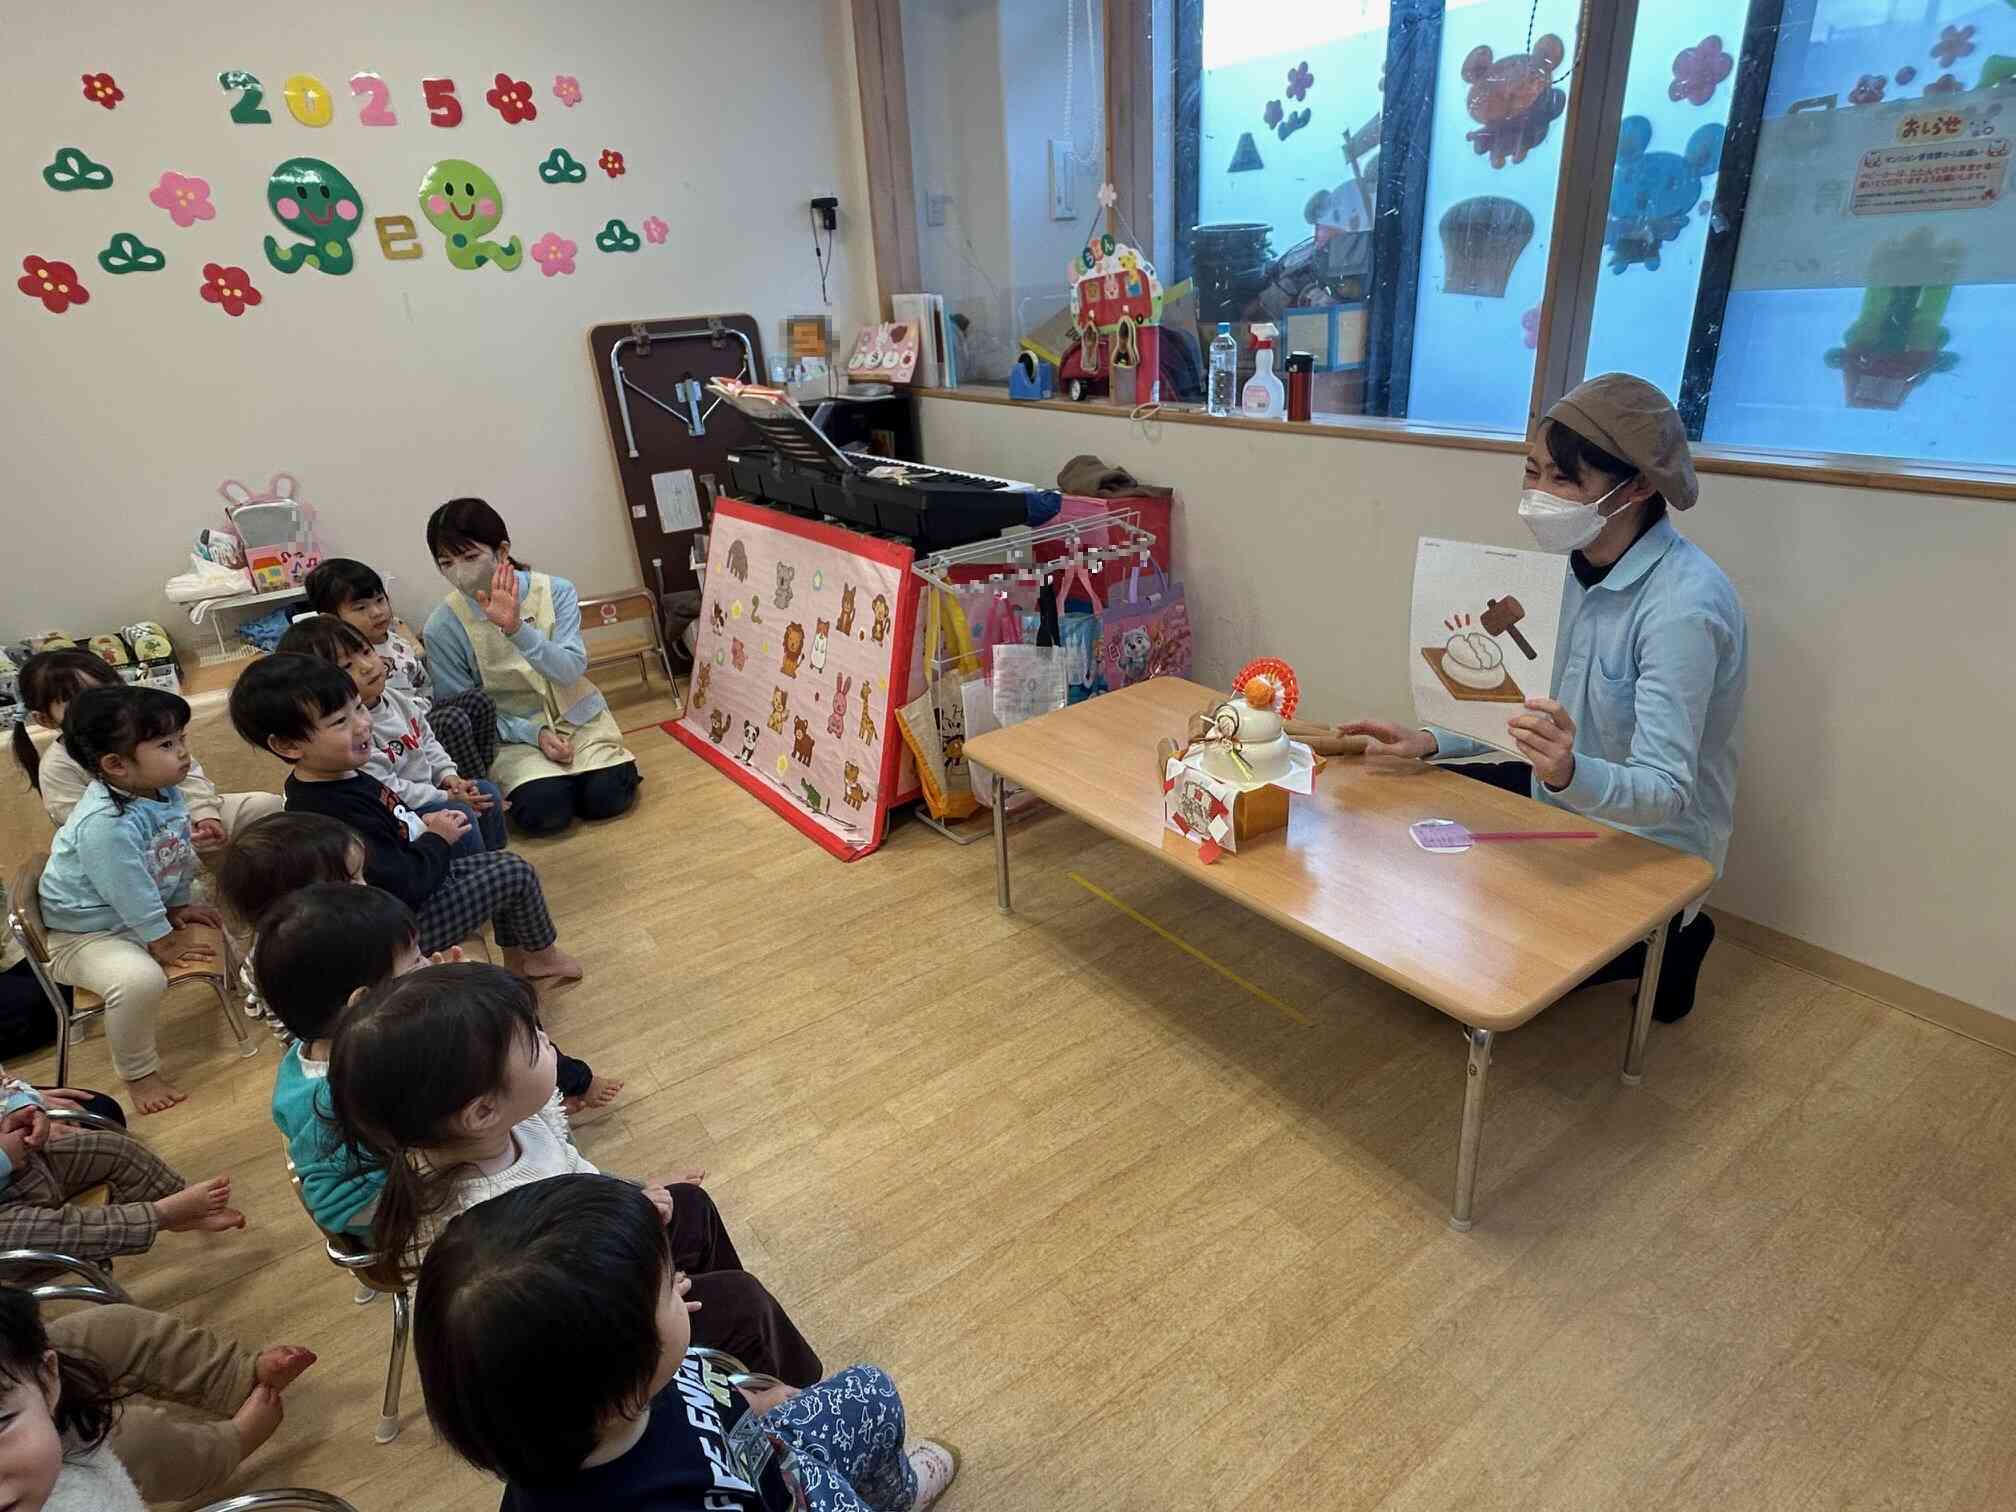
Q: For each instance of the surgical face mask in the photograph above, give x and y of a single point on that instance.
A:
(472, 575)
(1563, 525)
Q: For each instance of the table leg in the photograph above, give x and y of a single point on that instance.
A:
(1480, 1042)
(1000, 795)
(1641, 1014)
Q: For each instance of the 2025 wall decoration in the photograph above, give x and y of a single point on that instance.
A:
(312, 103)
(313, 199)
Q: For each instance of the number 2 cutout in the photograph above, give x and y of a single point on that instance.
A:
(443, 108)
(247, 111)
(375, 112)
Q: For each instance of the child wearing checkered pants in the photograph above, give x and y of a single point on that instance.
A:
(499, 888)
(145, 1194)
(466, 726)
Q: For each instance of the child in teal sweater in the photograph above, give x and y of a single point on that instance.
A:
(320, 948)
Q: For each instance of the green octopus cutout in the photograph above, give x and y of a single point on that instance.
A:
(617, 237)
(464, 204)
(314, 200)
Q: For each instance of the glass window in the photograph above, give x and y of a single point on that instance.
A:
(1293, 117)
(1866, 300)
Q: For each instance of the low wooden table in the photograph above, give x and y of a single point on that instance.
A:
(1491, 936)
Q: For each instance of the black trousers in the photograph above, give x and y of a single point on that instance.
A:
(737, 1314)
(548, 805)
(1686, 944)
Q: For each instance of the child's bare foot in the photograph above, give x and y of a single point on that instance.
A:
(152, 1093)
(205, 1207)
(281, 1365)
(551, 964)
(595, 1102)
(257, 1420)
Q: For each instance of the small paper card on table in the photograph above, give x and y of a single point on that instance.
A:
(1481, 635)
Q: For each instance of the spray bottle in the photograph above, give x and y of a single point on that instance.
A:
(1263, 397)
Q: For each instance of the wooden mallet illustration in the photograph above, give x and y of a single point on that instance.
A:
(1502, 616)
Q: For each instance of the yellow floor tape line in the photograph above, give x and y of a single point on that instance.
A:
(1188, 949)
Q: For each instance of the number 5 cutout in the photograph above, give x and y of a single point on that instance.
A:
(443, 108)
(376, 112)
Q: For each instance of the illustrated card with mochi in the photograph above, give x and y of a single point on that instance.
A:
(1481, 635)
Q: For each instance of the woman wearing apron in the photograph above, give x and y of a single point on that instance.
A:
(516, 634)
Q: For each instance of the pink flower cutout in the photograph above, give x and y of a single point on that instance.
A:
(187, 200)
(1272, 114)
(1530, 323)
(554, 254)
(655, 230)
(1954, 43)
(1944, 84)
(1299, 80)
(1698, 70)
(567, 90)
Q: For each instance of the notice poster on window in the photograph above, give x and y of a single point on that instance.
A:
(1481, 636)
(1836, 190)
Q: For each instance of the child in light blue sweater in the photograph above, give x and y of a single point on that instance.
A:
(117, 886)
(319, 949)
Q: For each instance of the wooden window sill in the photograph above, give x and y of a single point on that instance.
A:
(1840, 469)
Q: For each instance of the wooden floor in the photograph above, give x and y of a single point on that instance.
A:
(1132, 1237)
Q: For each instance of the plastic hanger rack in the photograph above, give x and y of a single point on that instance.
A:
(1013, 551)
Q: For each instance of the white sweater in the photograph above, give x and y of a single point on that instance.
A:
(94, 1481)
(545, 1148)
(405, 756)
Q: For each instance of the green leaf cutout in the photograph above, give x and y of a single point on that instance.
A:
(561, 167)
(617, 237)
(73, 170)
(126, 253)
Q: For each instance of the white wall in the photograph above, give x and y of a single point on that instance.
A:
(401, 384)
(1874, 811)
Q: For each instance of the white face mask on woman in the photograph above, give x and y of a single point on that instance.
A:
(1563, 525)
(471, 575)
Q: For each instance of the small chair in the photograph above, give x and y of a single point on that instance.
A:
(628, 607)
(347, 1254)
(306, 1501)
(96, 1285)
(25, 919)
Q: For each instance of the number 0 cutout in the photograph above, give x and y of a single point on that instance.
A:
(375, 112)
(397, 229)
(308, 100)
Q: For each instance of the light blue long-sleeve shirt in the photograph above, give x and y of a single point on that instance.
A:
(1651, 665)
(561, 658)
(119, 865)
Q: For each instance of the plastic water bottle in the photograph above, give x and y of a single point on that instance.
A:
(1224, 372)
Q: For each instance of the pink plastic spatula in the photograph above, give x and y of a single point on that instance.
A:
(1448, 835)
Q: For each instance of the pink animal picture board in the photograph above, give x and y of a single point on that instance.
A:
(806, 647)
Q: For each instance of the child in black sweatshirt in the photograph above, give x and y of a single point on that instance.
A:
(307, 713)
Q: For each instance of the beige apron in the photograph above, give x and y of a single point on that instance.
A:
(523, 692)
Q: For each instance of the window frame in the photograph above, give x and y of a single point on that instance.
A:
(1590, 129)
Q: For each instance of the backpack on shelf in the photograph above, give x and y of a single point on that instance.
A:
(276, 529)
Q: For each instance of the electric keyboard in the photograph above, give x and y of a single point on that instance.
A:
(801, 470)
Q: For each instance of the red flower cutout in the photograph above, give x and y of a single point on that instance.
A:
(1699, 70)
(1944, 84)
(54, 283)
(100, 89)
(1272, 114)
(229, 287)
(1954, 43)
(1299, 80)
(1868, 89)
(512, 99)
(1906, 74)
(612, 162)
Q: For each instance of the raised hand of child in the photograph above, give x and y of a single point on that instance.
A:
(208, 835)
(500, 605)
(557, 748)
(448, 824)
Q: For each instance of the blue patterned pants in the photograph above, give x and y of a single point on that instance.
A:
(843, 1443)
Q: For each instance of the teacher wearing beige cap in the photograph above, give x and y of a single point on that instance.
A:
(1651, 663)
